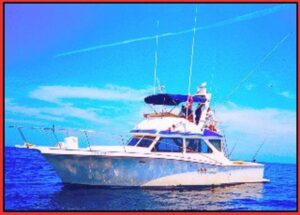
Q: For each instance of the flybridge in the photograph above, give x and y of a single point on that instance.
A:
(195, 120)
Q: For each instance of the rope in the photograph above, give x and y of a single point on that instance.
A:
(256, 66)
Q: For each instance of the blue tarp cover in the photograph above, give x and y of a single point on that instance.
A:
(151, 131)
(170, 99)
(206, 133)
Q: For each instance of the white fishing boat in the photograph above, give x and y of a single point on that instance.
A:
(166, 149)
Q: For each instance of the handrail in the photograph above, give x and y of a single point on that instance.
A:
(168, 114)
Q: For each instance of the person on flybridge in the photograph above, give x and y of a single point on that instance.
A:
(201, 91)
(203, 113)
(204, 116)
(186, 110)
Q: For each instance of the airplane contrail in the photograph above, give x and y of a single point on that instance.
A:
(244, 17)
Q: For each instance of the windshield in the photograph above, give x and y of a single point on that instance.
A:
(166, 144)
(133, 141)
(197, 145)
(216, 144)
(146, 141)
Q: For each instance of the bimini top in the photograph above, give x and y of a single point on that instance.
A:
(171, 99)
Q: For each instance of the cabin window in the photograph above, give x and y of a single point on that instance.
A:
(197, 145)
(133, 141)
(216, 144)
(166, 144)
(146, 141)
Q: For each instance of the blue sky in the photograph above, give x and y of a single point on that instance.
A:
(90, 65)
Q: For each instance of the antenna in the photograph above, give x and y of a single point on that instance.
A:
(192, 53)
(156, 58)
(160, 86)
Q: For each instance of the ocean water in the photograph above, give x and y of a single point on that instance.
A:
(31, 184)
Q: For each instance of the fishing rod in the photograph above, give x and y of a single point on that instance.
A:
(253, 159)
(233, 147)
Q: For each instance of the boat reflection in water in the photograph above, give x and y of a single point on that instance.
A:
(195, 198)
(218, 198)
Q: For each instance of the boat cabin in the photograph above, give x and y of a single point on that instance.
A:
(177, 144)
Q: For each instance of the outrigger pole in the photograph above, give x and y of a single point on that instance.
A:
(192, 60)
(276, 46)
(192, 53)
(156, 59)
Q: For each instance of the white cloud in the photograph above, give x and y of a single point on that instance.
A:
(257, 121)
(110, 92)
(23, 121)
(65, 109)
(286, 94)
(253, 126)
(249, 86)
(53, 113)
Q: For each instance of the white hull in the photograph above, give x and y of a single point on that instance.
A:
(116, 170)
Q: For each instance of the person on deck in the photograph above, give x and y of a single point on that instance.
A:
(186, 112)
(198, 112)
(190, 115)
(189, 106)
(182, 112)
(210, 119)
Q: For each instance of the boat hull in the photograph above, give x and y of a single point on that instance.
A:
(142, 171)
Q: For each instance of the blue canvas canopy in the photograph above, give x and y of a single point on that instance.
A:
(171, 99)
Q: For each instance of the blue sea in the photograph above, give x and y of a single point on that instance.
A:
(31, 184)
